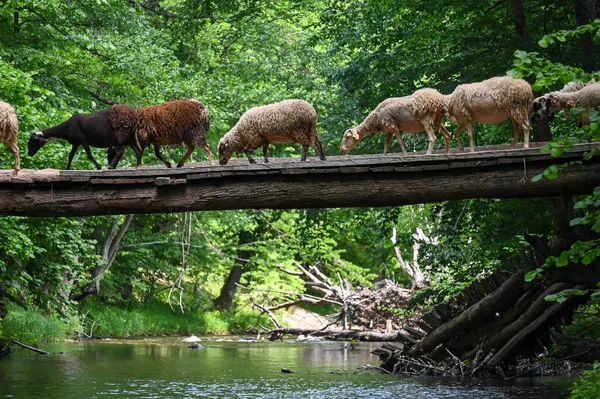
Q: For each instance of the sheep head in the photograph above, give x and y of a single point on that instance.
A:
(225, 150)
(349, 140)
(36, 141)
(554, 104)
(539, 109)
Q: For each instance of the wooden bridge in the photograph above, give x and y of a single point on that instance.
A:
(349, 181)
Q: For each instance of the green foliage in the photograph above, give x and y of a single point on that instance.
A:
(588, 387)
(157, 318)
(31, 327)
(60, 58)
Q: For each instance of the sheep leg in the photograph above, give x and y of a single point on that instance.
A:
(15, 150)
(430, 138)
(470, 133)
(138, 155)
(247, 152)
(189, 151)
(206, 148)
(442, 129)
(304, 152)
(401, 142)
(525, 126)
(86, 147)
(517, 132)
(388, 140)
(265, 148)
(457, 135)
(71, 155)
(159, 156)
(320, 149)
(116, 157)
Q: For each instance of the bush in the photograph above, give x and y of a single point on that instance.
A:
(31, 327)
(588, 386)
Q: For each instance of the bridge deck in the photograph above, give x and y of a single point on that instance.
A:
(341, 181)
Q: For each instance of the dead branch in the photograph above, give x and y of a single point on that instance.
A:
(31, 348)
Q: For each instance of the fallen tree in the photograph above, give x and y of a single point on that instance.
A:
(499, 324)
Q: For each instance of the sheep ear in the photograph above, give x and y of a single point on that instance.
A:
(355, 136)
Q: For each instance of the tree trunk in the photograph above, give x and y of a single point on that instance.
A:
(491, 172)
(585, 12)
(519, 21)
(512, 289)
(110, 248)
(225, 298)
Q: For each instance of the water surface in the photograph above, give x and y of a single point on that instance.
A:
(167, 368)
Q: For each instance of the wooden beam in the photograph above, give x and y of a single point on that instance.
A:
(351, 181)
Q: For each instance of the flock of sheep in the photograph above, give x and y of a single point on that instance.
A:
(187, 122)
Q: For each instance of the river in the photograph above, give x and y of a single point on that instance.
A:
(167, 368)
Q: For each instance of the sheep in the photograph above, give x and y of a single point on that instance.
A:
(586, 97)
(412, 114)
(9, 131)
(289, 121)
(491, 101)
(541, 105)
(175, 122)
(113, 127)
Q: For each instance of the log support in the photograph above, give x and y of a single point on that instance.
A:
(353, 181)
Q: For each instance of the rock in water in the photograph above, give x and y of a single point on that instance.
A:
(193, 338)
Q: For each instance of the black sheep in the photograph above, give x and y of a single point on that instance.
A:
(113, 127)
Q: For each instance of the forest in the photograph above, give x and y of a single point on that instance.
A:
(213, 271)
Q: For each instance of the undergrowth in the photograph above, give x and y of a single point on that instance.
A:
(159, 319)
(31, 327)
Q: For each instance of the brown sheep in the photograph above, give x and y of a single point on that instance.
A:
(491, 101)
(289, 121)
(421, 111)
(9, 131)
(172, 123)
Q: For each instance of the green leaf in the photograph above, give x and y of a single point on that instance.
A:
(530, 276)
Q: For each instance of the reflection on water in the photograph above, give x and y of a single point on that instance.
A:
(166, 368)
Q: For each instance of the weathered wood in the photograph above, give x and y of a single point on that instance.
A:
(432, 319)
(510, 290)
(513, 320)
(31, 348)
(544, 318)
(352, 181)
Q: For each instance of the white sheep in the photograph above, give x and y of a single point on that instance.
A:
(491, 101)
(289, 121)
(9, 131)
(587, 97)
(542, 104)
(421, 111)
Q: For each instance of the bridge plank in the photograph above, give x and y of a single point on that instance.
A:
(341, 181)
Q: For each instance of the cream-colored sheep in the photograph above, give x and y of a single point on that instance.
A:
(289, 121)
(587, 97)
(491, 101)
(421, 111)
(9, 131)
(542, 104)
